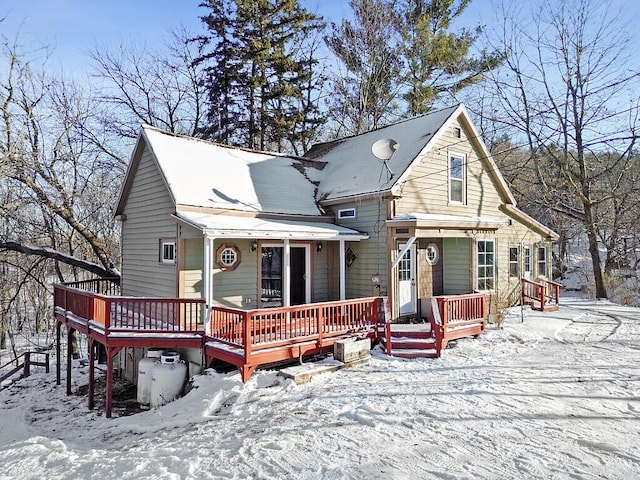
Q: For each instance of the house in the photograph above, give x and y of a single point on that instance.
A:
(268, 240)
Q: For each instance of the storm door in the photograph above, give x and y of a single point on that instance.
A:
(407, 282)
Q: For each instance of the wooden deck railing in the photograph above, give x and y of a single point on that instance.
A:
(130, 314)
(104, 286)
(541, 293)
(273, 327)
(457, 316)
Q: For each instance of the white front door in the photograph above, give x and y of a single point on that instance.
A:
(407, 282)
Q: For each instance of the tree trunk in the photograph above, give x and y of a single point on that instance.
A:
(601, 291)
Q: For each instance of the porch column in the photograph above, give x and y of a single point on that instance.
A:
(286, 274)
(343, 275)
(207, 276)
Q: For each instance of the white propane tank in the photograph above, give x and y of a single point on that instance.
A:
(145, 365)
(167, 379)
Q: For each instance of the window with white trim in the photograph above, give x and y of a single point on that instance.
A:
(456, 178)
(345, 213)
(485, 260)
(168, 251)
(228, 257)
(542, 261)
(514, 262)
(527, 260)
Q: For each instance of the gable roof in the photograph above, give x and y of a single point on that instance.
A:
(352, 170)
(204, 174)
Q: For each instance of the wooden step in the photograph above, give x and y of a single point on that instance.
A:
(412, 344)
(414, 353)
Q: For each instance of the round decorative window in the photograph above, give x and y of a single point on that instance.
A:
(432, 254)
(228, 256)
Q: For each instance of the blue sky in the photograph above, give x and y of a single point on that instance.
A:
(73, 27)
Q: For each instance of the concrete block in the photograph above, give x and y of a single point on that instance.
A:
(352, 350)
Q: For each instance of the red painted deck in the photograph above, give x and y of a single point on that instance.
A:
(246, 339)
(249, 338)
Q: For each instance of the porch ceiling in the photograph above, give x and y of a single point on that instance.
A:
(430, 220)
(220, 226)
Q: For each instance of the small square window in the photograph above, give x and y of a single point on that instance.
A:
(347, 213)
(167, 251)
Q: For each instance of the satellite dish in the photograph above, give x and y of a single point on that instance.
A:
(384, 148)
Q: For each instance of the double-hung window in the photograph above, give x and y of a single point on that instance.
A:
(514, 262)
(542, 261)
(485, 260)
(457, 178)
(527, 261)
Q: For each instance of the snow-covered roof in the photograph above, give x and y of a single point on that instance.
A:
(353, 170)
(204, 174)
(219, 226)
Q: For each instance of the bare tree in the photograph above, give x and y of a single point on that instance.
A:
(161, 86)
(564, 92)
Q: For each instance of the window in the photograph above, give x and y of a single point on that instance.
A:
(432, 254)
(347, 213)
(228, 257)
(167, 251)
(486, 264)
(271, 279)
(457, 132)
(542, 261)
(514, 262)
(456, 178)
(527, 260)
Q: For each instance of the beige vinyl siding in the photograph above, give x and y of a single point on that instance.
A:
(191, 276)
(371, 254)
(457, 258)
(426, 189)
(148, 219)
(237, 288)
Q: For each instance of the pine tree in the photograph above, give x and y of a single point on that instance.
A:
(257, 75)
(437, 60)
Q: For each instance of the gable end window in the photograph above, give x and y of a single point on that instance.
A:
(168, 251)
(486, 266)
(345, 213)
(457, 166)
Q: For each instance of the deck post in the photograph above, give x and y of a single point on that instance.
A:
(286, 274)
(109, 388)
(92, 352)
(69, 355)
(58, 348)
(343, 287)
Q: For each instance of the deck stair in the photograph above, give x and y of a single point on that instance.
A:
(410, 341)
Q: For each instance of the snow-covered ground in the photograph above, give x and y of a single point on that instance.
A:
(557, 396)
